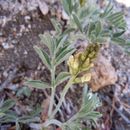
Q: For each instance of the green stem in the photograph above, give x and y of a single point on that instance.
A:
(73, 118)
(65, 90)
(52, 121)
(52, 91)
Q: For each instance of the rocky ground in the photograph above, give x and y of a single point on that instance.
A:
(20, 24)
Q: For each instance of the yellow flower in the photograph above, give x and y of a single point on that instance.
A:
(73, 65)
(86, 77)
(83, 79)
(82, 2)
(82, 62)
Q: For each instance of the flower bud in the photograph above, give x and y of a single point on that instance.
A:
(86, 77)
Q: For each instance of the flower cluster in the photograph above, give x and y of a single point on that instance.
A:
(82, 62)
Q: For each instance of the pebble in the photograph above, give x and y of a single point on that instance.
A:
(64, 15)
(22, 28)
(5, 74)
(25, 52)
(124, 2)
(43, 7)
(27, 18)
(7, 45)
(29, 26)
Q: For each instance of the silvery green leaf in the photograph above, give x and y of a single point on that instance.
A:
(8, 117)
(24, 91)
(27, 119)
(119, 40)
(118, 34)
(57, 26)
(33, 116)
(61, 42)
(62, 77)
(76, 6)
(49, 41)
(63, 55)
(117, 19)
(90, 102)
(37, 84)
(7, 105)
(68, 30)
(67, 4)
(74, 125)
(107, 11)
(85, 96)
(77, 21)
(128, 42)
(83, 13)
(91, 27)
(98, 27)
(46, 39)
(43, 56)
(17, 125)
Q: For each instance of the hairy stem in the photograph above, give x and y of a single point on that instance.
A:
(65, 90)
(52, 91)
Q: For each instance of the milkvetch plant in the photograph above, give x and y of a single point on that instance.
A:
(86, 22)
(79, 64)
(9, 115)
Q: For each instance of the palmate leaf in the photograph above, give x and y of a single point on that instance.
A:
(37, 84)
(62, 77)
(43, 56)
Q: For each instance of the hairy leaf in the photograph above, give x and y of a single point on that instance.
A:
(37, 84)
(67, 4)
(77, 21)
(7, 105)
(63, 55)
(44, 57)
(62, 77)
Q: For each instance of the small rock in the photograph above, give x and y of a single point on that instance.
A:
(13, 87)
(125, 2)
(32, 5)
(7, 45)
(43, 7)
(29, 26)
(103, 74)
(5, 74)
(25, 52)
(22, 28)
(27, 18)
(64, 15)
(14, 41)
